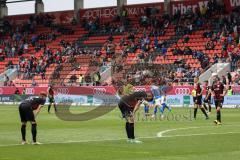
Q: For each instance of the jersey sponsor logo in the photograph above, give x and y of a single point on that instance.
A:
(139, 89)
(62, 91)
(99, 91)
(30, 91)
(182, 91)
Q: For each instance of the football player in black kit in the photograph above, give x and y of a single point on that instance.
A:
(218, 91)
(198, 100)
(207, 99)
(128, 106)
(28, 110)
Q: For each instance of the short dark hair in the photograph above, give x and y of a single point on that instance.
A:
(43, 94)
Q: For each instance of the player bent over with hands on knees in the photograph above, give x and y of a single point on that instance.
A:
(28, 111)
(128, 105)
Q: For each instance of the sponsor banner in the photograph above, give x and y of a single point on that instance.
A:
(101, 90)
(105, 99)
(59, 17)
(98, 90)
(64, 98)
(231, 4)
(111, 12)
(232, 100)
(183, 6)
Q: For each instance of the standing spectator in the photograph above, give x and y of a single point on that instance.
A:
(229, 76)
(6, 79)
(80, 79)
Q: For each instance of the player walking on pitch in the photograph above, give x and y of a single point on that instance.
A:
(218, 91)
(198, 101)
(207, 99)
(128, 105)
(164, 105)
(28, 111)
(51, 99)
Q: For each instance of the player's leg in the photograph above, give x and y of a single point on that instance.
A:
(204, 111)
(146, 110)
(31, 118)
(131, 124)
(123, 109)
(199, 102)
(49, 106)
(54, 104)
(218, 112)
(23, 118)
(204, 104)
(168, 107)
(155, 110)
(23, 132)
(209, 106)
(195, 108)
(34, 132)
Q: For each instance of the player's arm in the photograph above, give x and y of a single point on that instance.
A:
(38, 110)
(48, 92)
(137, 106)
(224, 90)
(208, 94)
(200, 92)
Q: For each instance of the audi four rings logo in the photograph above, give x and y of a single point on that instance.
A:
(99, 91)
(182, 91)
(62, 91)
(30, 91)
(140, 89)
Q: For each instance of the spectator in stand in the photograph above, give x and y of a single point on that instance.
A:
(81, 79)
(34, 84)
(229, 77)
(17, 92)
(5, 80)
(209, 45)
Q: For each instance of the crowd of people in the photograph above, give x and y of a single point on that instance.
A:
(221, 29)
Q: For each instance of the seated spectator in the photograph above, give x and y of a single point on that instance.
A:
(34, 83)
(210, 45)
(17, 91)
(186, 39)
(73, 79)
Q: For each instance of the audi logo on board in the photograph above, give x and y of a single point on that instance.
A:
(30, 91)
(99, 91)
(62, 90)
(182, 91)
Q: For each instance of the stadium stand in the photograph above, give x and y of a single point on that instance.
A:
(168, 49)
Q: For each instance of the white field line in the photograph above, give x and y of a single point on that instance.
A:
(159, 135)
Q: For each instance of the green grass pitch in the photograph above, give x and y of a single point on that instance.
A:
(104, 138)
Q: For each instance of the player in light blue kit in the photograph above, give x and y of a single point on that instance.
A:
(157, 99)
(164, 105)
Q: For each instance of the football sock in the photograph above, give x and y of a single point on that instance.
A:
(127, 130)
(195, 112)
(54, 105)
(34, 132)
(204, 105)
(23, 131)
(49, 107)
(219, 116)
(131, 127)
(155, 110)
(204, 112)
(209, 108)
